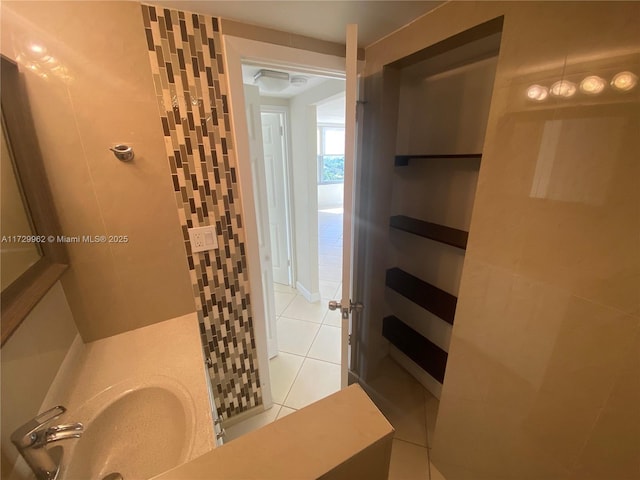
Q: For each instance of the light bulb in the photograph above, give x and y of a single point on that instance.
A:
(563, 88)
(592, 85)
(624, 81)
(537, 93)
(35, 48)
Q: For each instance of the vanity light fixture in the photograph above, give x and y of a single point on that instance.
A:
(624, 81)
(537, 93)
(271, 80)
(592, 85)
(563, 88)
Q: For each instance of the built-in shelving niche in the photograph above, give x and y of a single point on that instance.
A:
(443, 98)
(431, 358)
(433, 231)
(429, 297)
(403, 160)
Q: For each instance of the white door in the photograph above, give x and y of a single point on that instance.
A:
(254, 126)
(274, 163)
(351, 96)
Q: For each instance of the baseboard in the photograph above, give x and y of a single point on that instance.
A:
(310, 297)
(426, 380)
(241, 417)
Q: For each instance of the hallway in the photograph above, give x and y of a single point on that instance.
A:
(307, 367)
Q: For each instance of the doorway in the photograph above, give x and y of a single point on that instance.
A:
(304, 231)
(305, 366)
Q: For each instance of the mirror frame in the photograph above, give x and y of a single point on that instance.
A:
(19, 298)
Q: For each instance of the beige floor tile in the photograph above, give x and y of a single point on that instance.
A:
(282, 301)
(337, 211)
(333, 318)
(435, 473)
(252, 423)
(330, 273)
(401, 399)
(333, 250)
(326, 345)
(431, 405)
(408, 461)
(284, 411)
(328, 289)
(283, 369)
(330, 260)
(302, 310)
(331, 240)
(316, 380)
(295, 336)
(279, 287)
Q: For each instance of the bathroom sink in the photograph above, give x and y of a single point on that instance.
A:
(137, 433)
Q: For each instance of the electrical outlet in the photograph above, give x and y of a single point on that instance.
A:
(203, 238)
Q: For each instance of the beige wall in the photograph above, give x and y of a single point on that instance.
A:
(543, 379)
(30, 360)
(90, 90)
(278, 37)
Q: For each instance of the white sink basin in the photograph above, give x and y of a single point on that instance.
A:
(138, 432)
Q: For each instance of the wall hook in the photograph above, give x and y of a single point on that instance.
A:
(123, 152)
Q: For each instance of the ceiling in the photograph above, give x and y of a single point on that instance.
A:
(249, 71)
(331, 111)
(323, 19)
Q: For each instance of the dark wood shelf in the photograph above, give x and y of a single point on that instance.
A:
(433, 231)
(431, 358)
(431, 298)
(403, 160)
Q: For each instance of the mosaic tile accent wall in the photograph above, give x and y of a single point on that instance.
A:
(185, 51)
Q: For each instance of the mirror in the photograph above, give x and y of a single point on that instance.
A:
(30, 264)
(19, 249)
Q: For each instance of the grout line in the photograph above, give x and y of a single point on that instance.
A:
(428, 461)
(294, 354)
(426, 434)
(279, 410)
(409, 441)
(293, 383)
(426, 418)
(301, 319)
(323, 360)
(287, 305)
(312, 341)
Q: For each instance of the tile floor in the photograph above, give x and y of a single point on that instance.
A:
(412, 411)
(307, 367)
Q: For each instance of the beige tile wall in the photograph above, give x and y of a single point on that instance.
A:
(185, 53)
(30, 361)
(543, 379)
(90, 89)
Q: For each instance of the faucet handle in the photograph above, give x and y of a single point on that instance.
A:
(26, 434)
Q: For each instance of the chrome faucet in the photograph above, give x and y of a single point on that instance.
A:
(32, 438)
